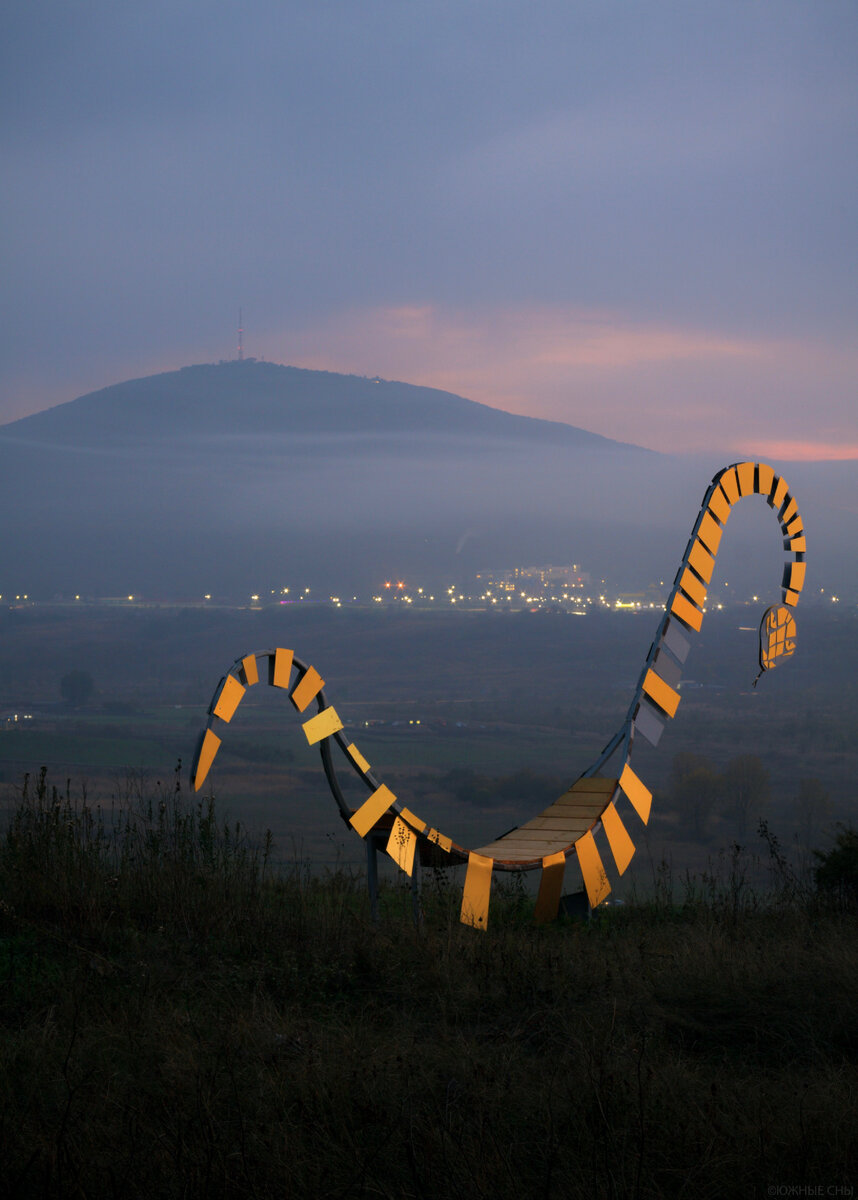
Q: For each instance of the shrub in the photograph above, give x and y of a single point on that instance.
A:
(836, 872)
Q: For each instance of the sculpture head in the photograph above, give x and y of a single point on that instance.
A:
(777, 637)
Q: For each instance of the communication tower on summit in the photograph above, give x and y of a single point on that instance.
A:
(240, 338)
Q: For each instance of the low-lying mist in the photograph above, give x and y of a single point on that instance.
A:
(184, 514)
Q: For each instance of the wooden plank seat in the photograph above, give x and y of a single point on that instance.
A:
(557, 827)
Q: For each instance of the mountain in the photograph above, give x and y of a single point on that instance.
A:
(242, 477)
(259, 399)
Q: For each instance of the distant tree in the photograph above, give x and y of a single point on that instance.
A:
(695, 787)
(744, 791)
(76, 687)
(837, 870)
(521, 790)
(812, 808)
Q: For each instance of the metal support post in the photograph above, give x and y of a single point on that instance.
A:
(372, 876)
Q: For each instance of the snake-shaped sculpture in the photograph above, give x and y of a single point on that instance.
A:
(592, 810)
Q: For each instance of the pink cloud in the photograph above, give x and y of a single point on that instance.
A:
(809, 451)
(659, 385)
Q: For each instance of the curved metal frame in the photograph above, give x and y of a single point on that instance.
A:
(589, 807)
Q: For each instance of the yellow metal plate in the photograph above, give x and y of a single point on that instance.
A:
(686, 611)
(322, 725)
(413, 821)
(281, 670)
(229, 698)
(638, 794)
(370, 811)
(797, 573)
(766, 479)
(693, 588)
(208, 750)
(790, 598)
(401, 845)
(357, 757)
(250, 669)
(745, 474)
(662, 693)
(795, 526)
(720, 505)
(593, 870)
(478, 885)
(701, 560)
(308, 686)
(622, 846)
(550, 888)
(789, 512)
(440, 840)
(779, 494)
(709, 532)
(730, 484)
(798, 545)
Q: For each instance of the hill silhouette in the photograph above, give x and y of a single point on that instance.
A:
(260, 398)
(243, 476)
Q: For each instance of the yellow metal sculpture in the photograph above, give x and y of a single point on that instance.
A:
(593, 810)
(777, 637)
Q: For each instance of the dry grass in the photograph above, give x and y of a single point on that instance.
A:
(176, 1022)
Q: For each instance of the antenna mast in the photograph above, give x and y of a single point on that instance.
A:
(240, 336)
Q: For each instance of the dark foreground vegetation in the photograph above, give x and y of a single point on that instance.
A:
(179, 1021)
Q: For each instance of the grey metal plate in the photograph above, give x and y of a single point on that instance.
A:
(649, 722)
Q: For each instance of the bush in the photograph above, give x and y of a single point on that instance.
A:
(837, 871)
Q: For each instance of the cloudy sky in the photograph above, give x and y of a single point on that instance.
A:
(639, 218)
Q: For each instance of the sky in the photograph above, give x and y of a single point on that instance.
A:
(638, 218)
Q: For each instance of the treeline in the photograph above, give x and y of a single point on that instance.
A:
(709, 803)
